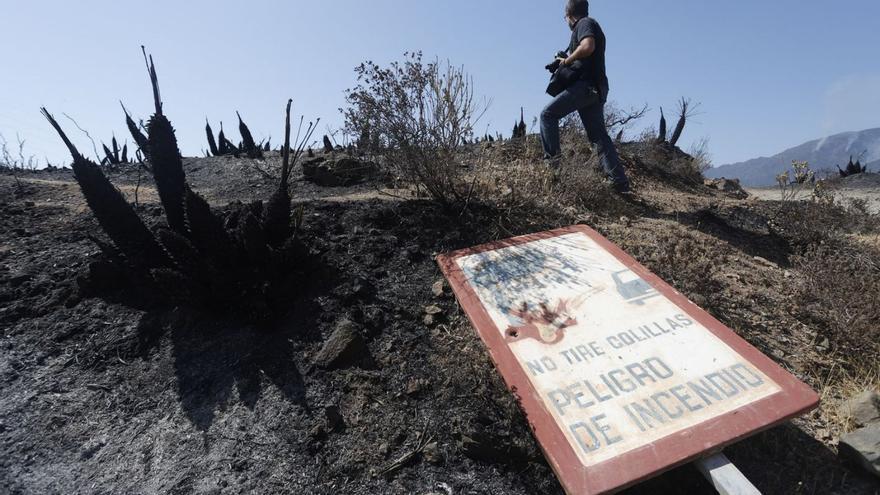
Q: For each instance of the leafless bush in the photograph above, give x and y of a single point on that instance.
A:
(18, 163)
(795, 181)
(618, 120)
(702, 159)
(16, 160)
(418, 115)
(840, 293)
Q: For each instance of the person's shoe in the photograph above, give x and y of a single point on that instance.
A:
(553, 163)
(623, 189)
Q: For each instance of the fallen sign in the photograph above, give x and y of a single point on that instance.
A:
(620, 376)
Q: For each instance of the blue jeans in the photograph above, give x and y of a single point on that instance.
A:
(591, 108)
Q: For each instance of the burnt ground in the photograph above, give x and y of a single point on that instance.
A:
(111, 393)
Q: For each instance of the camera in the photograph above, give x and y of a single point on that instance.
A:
(554, 66)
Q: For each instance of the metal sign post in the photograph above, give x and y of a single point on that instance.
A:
(621, 377)
(725, 477)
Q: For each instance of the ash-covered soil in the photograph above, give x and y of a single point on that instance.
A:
(108, 392)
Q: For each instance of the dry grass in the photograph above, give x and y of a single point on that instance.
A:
(512, 177)
(839, 386)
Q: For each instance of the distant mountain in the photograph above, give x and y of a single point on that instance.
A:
(823, 154)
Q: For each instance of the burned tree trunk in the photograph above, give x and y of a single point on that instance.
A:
(328, 146)
(661, 137)
(684, 112)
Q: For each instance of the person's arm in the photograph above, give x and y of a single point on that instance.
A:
(583, 50)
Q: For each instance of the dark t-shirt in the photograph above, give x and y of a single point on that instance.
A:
(593, 68)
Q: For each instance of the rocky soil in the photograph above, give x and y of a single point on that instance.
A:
(373, 382)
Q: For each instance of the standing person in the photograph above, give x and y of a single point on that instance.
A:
(586, 95)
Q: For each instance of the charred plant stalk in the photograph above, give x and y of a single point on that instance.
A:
(212, 144)
(661, 138)
(136, 134)
(276, 222)
(165, 157)
(248, 145)
(683, 114)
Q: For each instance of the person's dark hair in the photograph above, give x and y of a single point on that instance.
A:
(577, 8)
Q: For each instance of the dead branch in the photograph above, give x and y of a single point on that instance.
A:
(94, 147)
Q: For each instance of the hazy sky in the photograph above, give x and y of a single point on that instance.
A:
(769, 74)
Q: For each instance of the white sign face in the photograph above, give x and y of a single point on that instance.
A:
(615, 362)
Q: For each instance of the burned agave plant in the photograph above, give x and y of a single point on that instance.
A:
(237, 262)
(223, 147)
(852, 168)
(115, 156)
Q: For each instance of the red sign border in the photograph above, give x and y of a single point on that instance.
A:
(794, 398)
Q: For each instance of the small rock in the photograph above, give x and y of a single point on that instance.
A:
(433, 310)
(862, 447)
(344, 347)
(730, 186)
(429, 320)
(864, 409)
(431, 453)
(439, 288)
(337, 171)
(384, 449)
